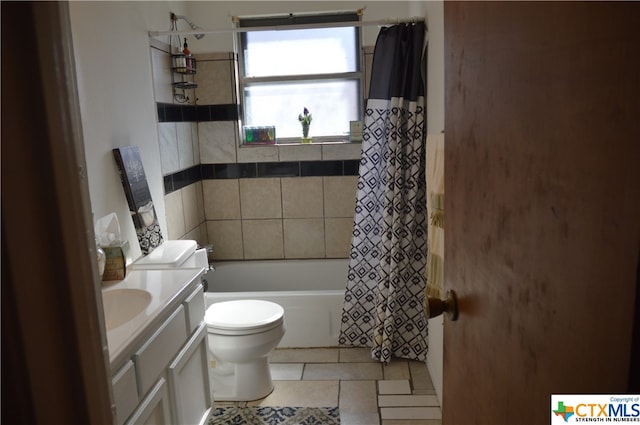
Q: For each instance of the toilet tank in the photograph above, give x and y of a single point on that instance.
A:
(173, 255)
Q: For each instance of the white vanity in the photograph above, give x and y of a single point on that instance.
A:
(157, 342)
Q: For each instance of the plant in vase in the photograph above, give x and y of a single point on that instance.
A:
(305, 119)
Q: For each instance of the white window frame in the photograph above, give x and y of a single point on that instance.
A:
(300, 21)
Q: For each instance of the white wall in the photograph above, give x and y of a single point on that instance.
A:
(216, 15)
(434, 12)
(111, 48)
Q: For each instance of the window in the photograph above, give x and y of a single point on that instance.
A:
(286, 70)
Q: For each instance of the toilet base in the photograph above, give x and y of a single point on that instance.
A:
(241, 381)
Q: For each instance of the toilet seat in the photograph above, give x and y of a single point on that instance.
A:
(243, 317)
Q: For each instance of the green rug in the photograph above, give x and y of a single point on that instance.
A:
(233, 415)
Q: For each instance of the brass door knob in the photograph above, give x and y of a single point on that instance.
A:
(435, 307)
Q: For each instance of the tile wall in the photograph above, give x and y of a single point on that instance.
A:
(250, 202)
(280, 217)
(180, 158)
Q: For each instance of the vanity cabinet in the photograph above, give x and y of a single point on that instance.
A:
(189, 380)
(125, 392)
(165, 380)
(155, 408)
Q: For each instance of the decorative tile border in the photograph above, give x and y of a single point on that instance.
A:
(170, 112)
(280, 169)
(180, 179)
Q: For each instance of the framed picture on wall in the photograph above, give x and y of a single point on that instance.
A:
(136, 189)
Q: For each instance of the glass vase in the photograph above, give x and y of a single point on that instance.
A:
(305, 133)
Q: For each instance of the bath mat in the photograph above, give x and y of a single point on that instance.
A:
(234, 415)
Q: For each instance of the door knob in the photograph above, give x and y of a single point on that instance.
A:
(435, 306)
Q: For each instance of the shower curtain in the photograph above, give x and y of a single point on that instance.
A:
(383, 306)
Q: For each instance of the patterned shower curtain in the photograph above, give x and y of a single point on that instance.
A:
(383, 306)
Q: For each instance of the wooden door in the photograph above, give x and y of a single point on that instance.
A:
(542, 172)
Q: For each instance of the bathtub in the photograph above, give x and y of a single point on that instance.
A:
(310, 291)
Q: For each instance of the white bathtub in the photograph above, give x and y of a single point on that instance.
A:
(310, 291)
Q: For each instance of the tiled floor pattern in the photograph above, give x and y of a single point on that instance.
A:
(367, 392)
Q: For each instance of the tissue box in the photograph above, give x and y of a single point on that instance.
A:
(116, 261)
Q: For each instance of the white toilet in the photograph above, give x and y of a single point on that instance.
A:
(241, 334)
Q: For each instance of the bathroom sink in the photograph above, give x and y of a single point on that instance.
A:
(122, 305)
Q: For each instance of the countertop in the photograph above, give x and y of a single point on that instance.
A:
(166, 287)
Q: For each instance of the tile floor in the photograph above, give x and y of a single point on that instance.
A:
(367, 392)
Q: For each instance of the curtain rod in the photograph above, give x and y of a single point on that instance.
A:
(381, 22)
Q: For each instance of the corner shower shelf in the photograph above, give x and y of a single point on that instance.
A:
(185, 85)
(183, 64)
(182, 71)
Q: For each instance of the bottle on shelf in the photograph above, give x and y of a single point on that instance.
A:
(190, 62)
(179, 62)
(185, 48)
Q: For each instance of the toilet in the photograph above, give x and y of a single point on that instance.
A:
(241, 334)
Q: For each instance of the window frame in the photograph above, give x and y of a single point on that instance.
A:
(299, 21)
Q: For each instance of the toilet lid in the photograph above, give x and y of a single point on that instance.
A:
(243, 314)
